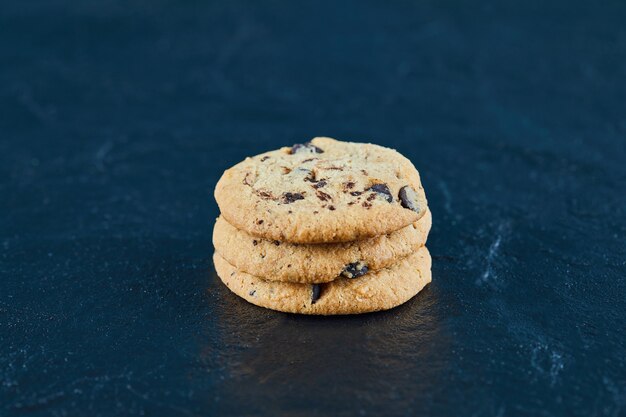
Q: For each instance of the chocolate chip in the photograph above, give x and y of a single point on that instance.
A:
(371, 197)
(305, 147)
(349, 185)
(259, 222)
(252, 292)
(316, 293)
(310, 176)
(355, 270)
(355, 193)
(291, 197)
(323, 196)
(383, 190)
(315, 212)
(331, 207)
(254, 242)
(366, 204)
(320, 184)
(408, 198)
(277, 243)
(265, 158)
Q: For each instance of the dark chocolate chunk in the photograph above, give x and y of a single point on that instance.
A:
(331, 208)
(310, 177)
(291, 197)
(383, 190)
(366, 204)
(277, 243)
(254, 242)
(316, 292)
(252, 292)
(323, 196)
(371, 197)
(408, 198)
(320, 184)
(265, 158)
(305, 147)
(259, 222)
(355, 270)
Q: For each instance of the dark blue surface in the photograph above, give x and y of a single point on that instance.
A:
(116, 120)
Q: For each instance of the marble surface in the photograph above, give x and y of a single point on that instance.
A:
(117, 118)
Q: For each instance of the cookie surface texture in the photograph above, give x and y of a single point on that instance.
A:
(322, 191)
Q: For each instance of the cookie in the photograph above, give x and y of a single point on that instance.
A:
(380, 290)
(322, 191)
(316, 263)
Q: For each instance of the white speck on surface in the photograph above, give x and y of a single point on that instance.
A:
(489, 273)
(556, 366)
(547, 362)
(43, 113)
(102, 153)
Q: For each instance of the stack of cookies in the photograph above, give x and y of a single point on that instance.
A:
(324, 227)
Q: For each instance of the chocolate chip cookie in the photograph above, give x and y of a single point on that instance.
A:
(322, 191)
(316, 263)
(376, 291)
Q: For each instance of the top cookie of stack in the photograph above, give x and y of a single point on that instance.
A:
(322, 191)
(318, 212)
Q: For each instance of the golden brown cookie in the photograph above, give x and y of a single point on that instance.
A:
(316, 263)
(322, 191)
(381, 290)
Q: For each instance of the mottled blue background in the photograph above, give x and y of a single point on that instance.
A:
(118, 117)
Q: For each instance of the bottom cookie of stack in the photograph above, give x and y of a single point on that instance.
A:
(380, 290)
